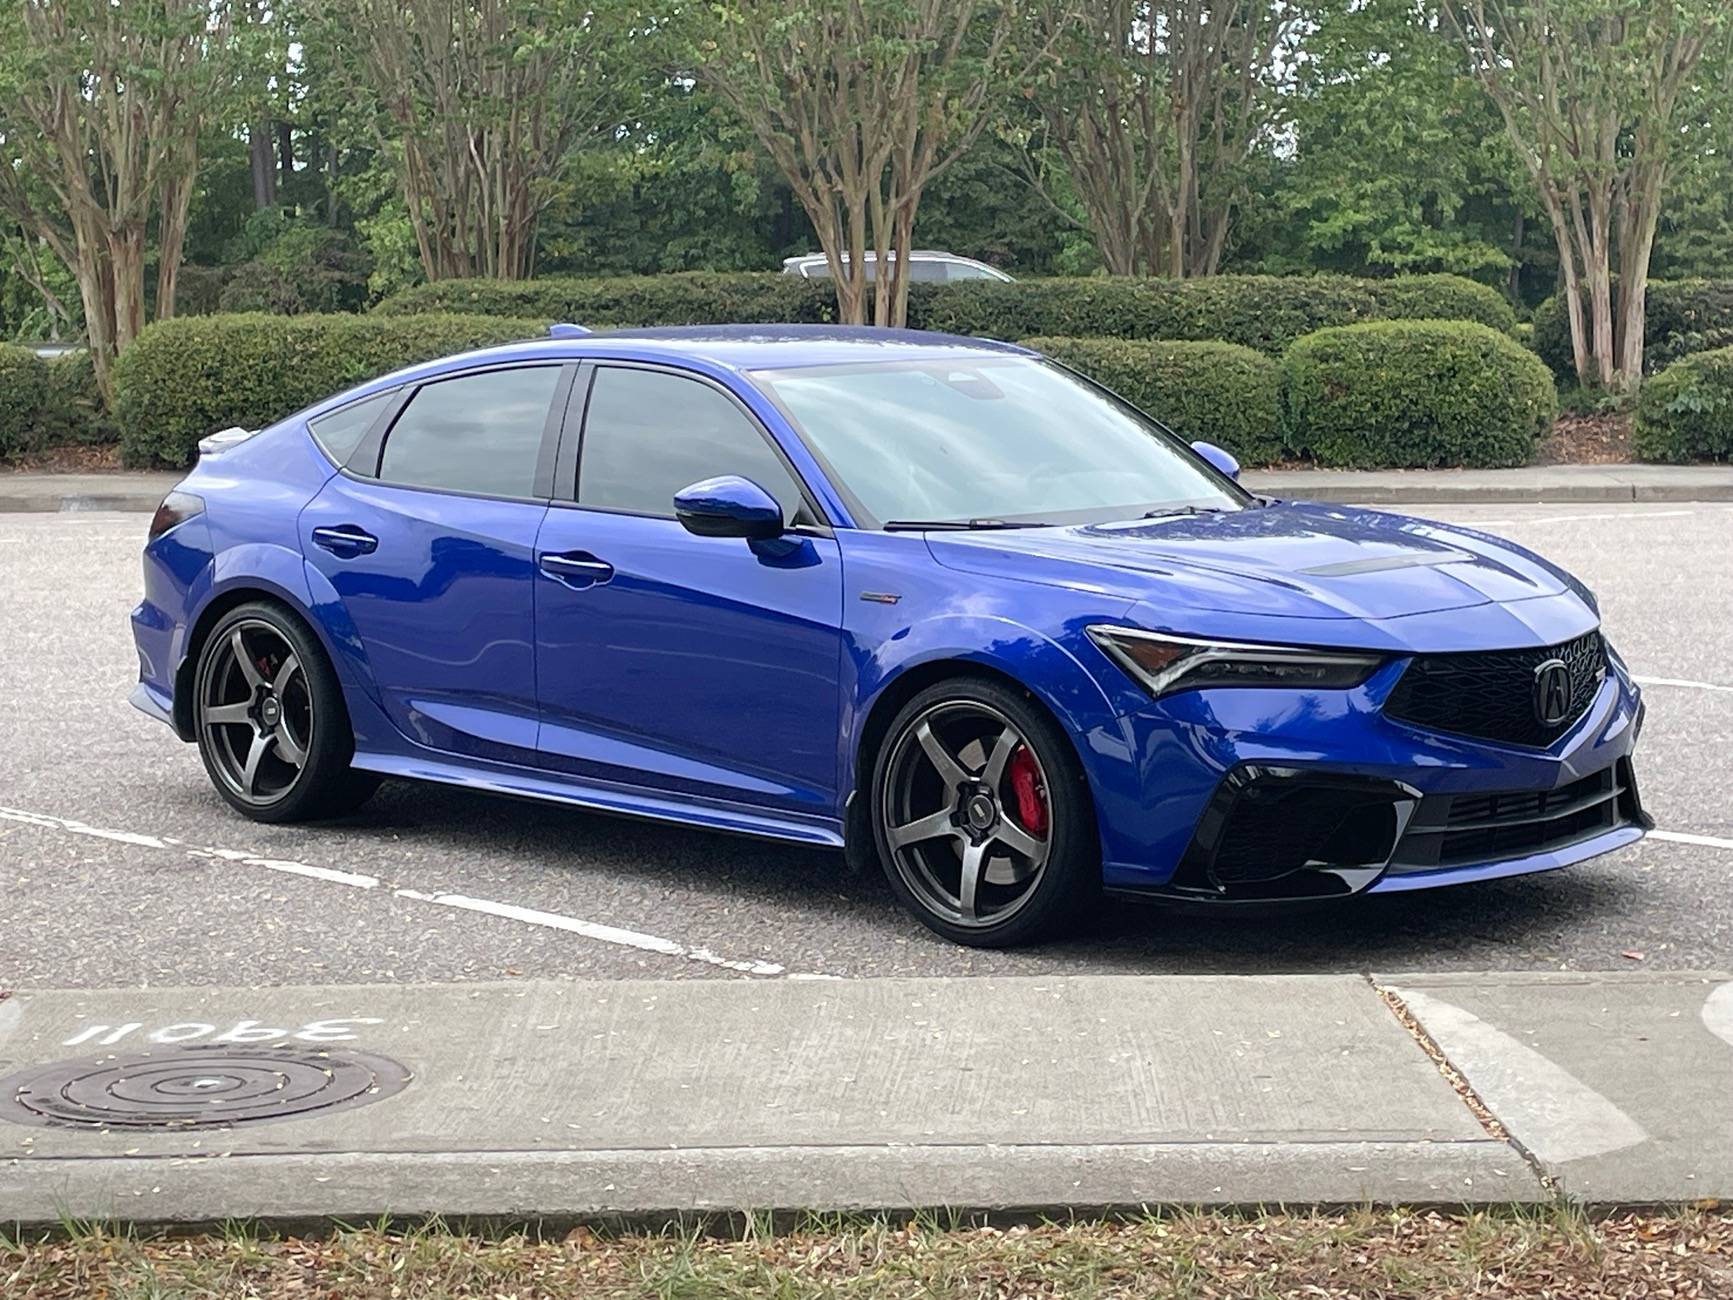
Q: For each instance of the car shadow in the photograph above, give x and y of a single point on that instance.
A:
(1533, 922)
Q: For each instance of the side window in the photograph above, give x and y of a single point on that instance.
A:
(340, 432)
(648, 434)
(475, 433)
(963, 271)
(926, 270)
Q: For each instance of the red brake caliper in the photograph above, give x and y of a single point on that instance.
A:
(1030, 794)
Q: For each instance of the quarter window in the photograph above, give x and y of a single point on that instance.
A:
(476, 433)
(647, 434)
(340, 432)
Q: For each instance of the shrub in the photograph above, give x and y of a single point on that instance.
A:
(23, 394)
(681, 298)
(182, 379)
(1265, 312)
(1683, 317)
(74, 410)
(1219, 392)
(1415, 394)
(1260, 311)
(1686, 411)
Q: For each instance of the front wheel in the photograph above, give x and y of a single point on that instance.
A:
(272, 728)
(982, 817)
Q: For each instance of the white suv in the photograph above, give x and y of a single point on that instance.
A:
(928, 264)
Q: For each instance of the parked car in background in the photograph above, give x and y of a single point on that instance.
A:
(932, 265)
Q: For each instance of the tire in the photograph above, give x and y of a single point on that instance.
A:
(975, 773)
(270, 720)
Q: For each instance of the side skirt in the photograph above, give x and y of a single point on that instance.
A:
(527, 783)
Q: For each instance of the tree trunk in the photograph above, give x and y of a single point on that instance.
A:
(177, 197)
(264, 166)
(285, 154)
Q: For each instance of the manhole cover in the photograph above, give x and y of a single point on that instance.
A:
(198, 1087)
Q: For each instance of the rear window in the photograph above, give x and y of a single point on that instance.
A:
(340, 432)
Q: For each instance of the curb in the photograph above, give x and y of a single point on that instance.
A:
(131, 502)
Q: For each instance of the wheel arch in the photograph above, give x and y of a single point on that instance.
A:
(209, 615)
(882, 710)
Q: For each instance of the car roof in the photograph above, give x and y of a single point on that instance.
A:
(737, 348)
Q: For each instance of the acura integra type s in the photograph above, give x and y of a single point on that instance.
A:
(938, 602)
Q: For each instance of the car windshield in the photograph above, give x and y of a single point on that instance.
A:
(989, 441)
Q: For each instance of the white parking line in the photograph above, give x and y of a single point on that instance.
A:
(1701, 841)
(595, 930)
(1680, 682)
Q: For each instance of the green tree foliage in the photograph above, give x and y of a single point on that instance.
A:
(1599, 100)
(1400, 162)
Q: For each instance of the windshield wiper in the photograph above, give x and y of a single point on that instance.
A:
(952, 525)
(1168, 512)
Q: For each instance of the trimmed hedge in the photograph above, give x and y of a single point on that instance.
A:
(1686, 411)
(23, 396)
(185, 378)
(1414, 395)
(46, 403)
(1259, 311)
(1683, 317)
(1264, 312)
(1220, 392)
(679, 298)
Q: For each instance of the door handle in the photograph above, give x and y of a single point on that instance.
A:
(345, 540)
(577, 569)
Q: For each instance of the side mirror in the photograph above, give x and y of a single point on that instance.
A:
(729, 506)
(1219, 458)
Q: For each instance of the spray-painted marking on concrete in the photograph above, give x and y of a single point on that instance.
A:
(340, 1030)
(1544, 1106)
(1682, 683)
(594, 930)
(1718, 1013)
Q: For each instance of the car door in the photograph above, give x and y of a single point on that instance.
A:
(698, 666)
(428, 540)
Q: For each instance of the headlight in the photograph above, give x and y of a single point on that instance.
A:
(1163, 664)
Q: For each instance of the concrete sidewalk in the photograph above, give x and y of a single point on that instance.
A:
(1542, 483)
(586, 1099)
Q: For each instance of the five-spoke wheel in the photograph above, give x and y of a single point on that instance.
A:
(978, 814)
(271, 724)
(257, 717)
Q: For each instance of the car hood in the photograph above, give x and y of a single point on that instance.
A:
(1290, 559)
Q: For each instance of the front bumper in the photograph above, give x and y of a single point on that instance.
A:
(1258, 796)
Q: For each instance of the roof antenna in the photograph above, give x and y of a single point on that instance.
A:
(566, 330)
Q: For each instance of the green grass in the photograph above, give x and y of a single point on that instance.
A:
(1394, 1254)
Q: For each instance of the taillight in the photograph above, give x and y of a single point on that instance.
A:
(176, 508)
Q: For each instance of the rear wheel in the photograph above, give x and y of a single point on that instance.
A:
(981, 815)
(272, 728)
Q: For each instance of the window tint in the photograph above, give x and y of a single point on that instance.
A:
(928, 269)
(477, 433)
(340, 432)
(648, 434)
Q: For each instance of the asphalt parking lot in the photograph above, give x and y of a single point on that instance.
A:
(119, 866)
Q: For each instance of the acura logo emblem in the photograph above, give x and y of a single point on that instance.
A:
(1552, 692)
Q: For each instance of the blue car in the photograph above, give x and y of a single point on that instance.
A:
(937, 602)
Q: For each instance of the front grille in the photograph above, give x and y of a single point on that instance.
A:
(1454, 830)
(1491, 694)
